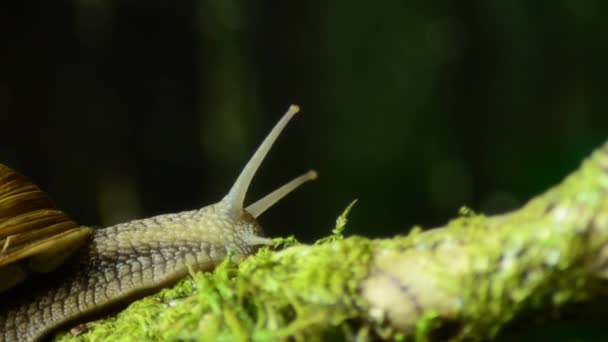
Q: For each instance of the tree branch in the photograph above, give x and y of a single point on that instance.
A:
(466, 280)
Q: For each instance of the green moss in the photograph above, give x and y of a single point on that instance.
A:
(478, 271)
(484, 271)
(301, 293)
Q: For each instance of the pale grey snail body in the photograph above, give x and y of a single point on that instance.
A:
(118, 264)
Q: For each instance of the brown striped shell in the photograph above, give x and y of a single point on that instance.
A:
(34, 235)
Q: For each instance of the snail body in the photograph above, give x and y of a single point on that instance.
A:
(112, 266)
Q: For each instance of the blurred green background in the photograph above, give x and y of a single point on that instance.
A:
(125, 109)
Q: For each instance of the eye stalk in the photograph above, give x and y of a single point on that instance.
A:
(260, 206)
(234, 200)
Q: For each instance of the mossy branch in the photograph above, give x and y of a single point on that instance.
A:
(474, 275)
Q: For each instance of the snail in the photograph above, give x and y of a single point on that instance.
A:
(82, 272)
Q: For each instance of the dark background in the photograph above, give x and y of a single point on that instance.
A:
(126, 109)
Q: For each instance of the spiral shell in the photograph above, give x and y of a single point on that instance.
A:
(34, 235)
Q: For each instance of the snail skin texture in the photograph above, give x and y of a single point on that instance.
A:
(92, 271)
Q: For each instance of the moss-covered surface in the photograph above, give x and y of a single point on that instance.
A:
(465, 280)
(302, 292)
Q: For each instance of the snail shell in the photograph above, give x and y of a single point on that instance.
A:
(34, 235)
